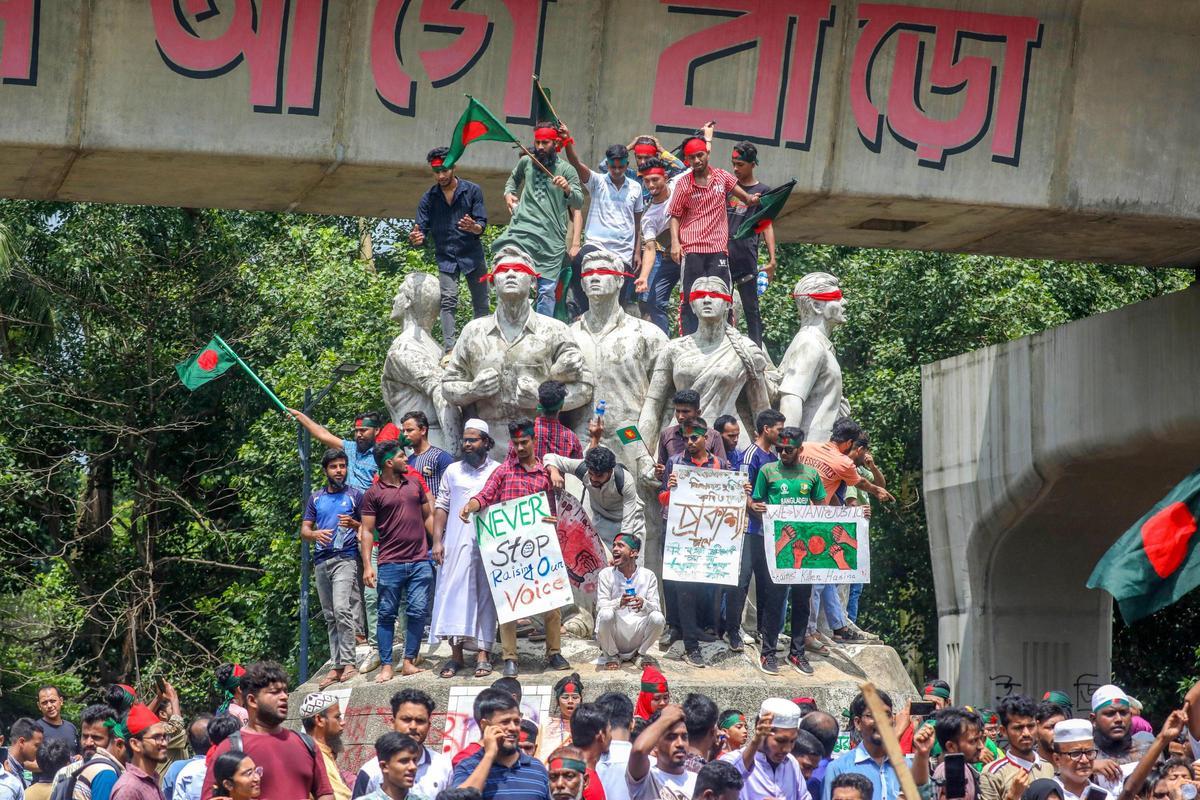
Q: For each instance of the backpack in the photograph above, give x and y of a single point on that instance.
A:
(235, 742)
(618, 476)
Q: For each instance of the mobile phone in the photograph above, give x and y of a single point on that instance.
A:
(921, 708)
(160, 683)
(1095, 793)
(956, 776)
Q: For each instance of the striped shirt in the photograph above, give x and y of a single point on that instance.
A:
(703, 223)
(526, 779)
(430, 465)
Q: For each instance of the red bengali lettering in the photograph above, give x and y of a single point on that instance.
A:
(985, 102)
(788, 39)
(19, 23)
(199, 40)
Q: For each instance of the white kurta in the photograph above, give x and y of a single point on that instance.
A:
(623, 632)
(462, 606)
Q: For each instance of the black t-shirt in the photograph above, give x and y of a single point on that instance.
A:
(743, 253)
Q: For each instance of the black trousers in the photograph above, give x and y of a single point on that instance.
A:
(696, 266)
(754, 563)
(687, 603)
(801, 594)
(745, 280)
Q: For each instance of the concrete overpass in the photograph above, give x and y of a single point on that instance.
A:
(1038, 454)
(1011, 127)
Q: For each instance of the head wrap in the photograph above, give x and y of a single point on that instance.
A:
(366, 421)
(785, 713)
(228, 686)
(529, 430)
(509, 266)
(572, 683)
(315, 703)
(645, 149)
(653, 682)
(653, 171)
(437, 162)
(117, 728)
(476, 424)
(731, 719)
(738, 155)
(543, 134)
(1135, 704)
(1042, 789)
(696, 427)
(1059, 699)
(565, 762)
(790, 441)
(1107, 695)
(629, 540)
(823, 297)
(1072, 730)
(936, 691)
(989, 716)
(140, 719)
(694, 145)
(130, 696)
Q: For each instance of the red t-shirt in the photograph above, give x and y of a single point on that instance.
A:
(594, 789)
(703, 223)
(399, 520)
(290, 771)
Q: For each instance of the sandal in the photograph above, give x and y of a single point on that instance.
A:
(450, 668)
(483, 669)
(814, 645)
(612, 665)
(331, 677)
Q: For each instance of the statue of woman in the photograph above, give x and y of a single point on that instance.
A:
(717, 361)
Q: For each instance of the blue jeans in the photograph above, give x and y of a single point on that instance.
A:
(545, 296)
(825, 598)
(393, 580)
(663, 277)
(852, 601)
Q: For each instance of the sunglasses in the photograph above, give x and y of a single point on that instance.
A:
(692, 437)
(784, 448)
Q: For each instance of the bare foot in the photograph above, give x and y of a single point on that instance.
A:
(385, 674)
(409, 668)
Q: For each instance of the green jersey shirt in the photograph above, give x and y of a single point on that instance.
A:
(781, 485)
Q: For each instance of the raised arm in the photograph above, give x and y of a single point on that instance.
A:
(585, 174)
(639, 756)
(318, 431)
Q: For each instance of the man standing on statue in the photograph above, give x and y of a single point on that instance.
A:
(453, 214)
(699, 225)
(541, 212)
(743, 253)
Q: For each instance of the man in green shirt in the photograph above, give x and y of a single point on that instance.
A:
(542, 211)
(786, 482)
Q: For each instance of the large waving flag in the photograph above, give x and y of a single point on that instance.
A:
(769, 206)
(1157, 561)
(477, 124)
(212, 362)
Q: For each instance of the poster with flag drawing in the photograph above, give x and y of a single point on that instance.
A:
(817, 544)
(705, 522)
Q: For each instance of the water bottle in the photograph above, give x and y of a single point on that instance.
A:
(630, 591)
(601, 407)
(763, 282)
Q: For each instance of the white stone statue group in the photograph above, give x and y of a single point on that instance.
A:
(608, 354)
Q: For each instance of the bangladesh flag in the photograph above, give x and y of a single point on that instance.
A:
(477, 124)
(769, 206)
(209, 363)
(629, 435)
(1157, 561)
(543, 109)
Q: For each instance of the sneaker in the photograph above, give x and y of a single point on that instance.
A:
(769, 664)
(800, 664)
(694, 658)
(848, 636)
(370, 662)
(735, 642)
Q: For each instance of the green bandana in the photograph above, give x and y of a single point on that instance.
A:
(565, 762)
(731, 719)
(629, 540)
(117, 728)
(700, 429)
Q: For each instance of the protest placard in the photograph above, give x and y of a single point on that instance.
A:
(817, 544)
(705, 523)
(521, 557)
(582, 550)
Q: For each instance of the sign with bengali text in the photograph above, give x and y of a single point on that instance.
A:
(705, 522)
(521, 557)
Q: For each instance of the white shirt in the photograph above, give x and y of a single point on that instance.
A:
(767, 781)
(659, 785)
(611, 222)
(611, 769)
(189, 783)
(610, 587)
(433, 775)
(1069, 795)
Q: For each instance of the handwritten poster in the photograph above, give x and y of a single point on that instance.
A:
(521, 557)
(817, 544)
(460, 728)
(582, 550)
(705, 522)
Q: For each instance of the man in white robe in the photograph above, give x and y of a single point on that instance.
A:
(462, 607)
(628, 617)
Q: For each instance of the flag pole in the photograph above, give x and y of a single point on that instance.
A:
(542, 92)
(253, 376)
(533, 158)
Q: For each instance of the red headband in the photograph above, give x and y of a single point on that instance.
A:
(655, 171)
(694, 296)
(645, 150)
(436, 162)
(545, 133)
(602, 271)
(693, 146)
(509, 266)
(570, 688)
(824, 297)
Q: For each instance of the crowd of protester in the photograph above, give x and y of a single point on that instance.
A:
(613, 746)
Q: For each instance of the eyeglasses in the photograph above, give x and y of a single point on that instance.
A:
(1161, 795)
(253, 772)
(158, 737)
(1079, 755)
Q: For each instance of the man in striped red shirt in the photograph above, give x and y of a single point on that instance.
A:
(699, 225)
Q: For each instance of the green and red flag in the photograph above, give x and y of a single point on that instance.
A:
(769, 206)
(543, 109)
(209, 363)
(629, 435)
(1157, 561)
(477, 124)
